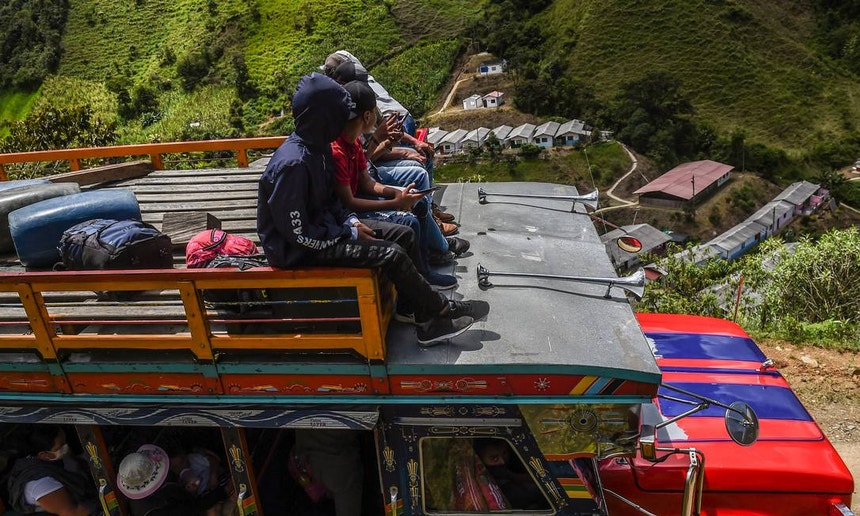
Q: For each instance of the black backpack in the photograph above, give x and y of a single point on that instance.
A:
(239, 300)
(114, 244)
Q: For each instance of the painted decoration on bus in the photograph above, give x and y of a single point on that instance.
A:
(565, 432)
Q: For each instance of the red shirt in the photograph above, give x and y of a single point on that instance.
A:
(349, 161)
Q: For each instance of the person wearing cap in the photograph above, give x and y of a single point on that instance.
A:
(300, 221)
(392, 164)
(358, 191)
(144, 477)
(48, 480)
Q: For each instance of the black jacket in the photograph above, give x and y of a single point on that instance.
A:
(297, 211)
(28, 469)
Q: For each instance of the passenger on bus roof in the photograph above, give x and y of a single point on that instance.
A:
(373, 200)
(301, 222)
(48, 479)
(144, 477)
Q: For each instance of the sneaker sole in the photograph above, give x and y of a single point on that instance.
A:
(440, 339)
(443, 287)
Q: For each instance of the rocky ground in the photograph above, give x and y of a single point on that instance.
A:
(828, 383)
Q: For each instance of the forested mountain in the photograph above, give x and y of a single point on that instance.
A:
(771, 84)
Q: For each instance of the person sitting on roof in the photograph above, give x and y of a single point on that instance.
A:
(47, 480)
(391, 163)
(358, 191)
(301, 222)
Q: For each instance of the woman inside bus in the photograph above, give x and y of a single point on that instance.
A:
(48, 480)
(153, 490)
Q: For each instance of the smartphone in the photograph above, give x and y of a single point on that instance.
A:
(425, 192)
(377, 233)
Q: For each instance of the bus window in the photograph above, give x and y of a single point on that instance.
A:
(477, 475)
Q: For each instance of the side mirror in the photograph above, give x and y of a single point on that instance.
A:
(742, 423)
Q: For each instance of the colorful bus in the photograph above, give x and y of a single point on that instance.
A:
(560, 400)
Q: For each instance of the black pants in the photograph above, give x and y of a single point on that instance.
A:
(396, 253)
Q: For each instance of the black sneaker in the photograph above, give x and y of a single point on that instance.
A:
(440, 329)
(457, 246)
(476, 309)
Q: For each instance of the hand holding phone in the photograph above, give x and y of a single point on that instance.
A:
(426, 191)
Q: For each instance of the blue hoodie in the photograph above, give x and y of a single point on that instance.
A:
(297, 211)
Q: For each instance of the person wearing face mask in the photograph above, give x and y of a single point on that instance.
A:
(43, 482)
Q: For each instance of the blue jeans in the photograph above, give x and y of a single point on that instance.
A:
(402, 173)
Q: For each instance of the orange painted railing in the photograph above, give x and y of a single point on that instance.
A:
(155, 151)
(50, 305)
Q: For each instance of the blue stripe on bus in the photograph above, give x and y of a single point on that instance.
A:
(769, 402)
(698, 346)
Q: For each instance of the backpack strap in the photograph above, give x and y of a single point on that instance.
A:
(215, 243)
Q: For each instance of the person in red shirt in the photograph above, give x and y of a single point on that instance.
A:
(358, 192)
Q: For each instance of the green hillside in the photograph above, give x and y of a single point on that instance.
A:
(232, 64)
(782, 74)
(745, 64)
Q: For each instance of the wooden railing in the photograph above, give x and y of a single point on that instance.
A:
(59, 313)
(155, 151)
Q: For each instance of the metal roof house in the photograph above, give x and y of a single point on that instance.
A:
(521, 135)
(544, 135)
(739, 239)
(652, 240)
(450, 143)
(492, 67)
(774, 215)
(435, 135)
(474, 138)
(805, 196)
(571, 132)
(494, 99)
(502, 133)
(473, 102)
(685, 184)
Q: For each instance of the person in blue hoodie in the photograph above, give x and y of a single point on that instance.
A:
(301, 222)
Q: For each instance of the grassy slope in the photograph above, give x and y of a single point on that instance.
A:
(414, 40)
(746, 64)
(14, 106)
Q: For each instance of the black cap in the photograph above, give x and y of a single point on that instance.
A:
(349, 71)
(362, 98)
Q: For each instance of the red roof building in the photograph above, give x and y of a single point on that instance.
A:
(685, 184)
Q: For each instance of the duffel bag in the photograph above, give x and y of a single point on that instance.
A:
(206, 245)
(114, 244)
(240, 300)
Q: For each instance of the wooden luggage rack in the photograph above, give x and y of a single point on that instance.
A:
(52, 324)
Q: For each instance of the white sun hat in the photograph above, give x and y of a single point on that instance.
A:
(143, 472)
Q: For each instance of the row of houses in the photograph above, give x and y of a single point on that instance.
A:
(493, 99)
(798, 199)
(546, 135)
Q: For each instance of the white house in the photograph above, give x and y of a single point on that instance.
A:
(435, 135)
(474, 138)
(473, 102)
(571, 132)
(494, 99)
(544, 135)
(450, 143)
(521, 135)
(492, 67)
(502, 133)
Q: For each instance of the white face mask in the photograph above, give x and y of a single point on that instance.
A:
(61, 453)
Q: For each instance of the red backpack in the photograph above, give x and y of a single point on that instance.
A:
(209, 244)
